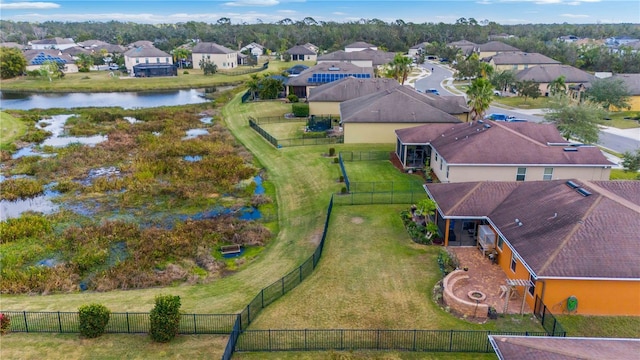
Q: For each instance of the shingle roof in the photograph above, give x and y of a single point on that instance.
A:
(37, 57)
(462, 43)
(350, 88)
(518, 143)
(146, 52)
(141, 43)
(211, 48)
(563, 348)
(92, 43)
(377, 57)
(513, 58)
(496, 46)
(323, 68)
(421, 45)
(53, 41)
(632, 81)
(300, 50)
(563, 233)
(359, 45)
(76, 50)
(397, 105)
(11, 44)
(548, 73)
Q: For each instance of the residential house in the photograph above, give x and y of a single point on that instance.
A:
(373, 118)
(312, 47)
(466, 47)
(93, 44)
(517, 61)
(76, 50)
(359, 46)
(223, 57)
(323, 73)
(140, 43)
(622, 40)
(36, 58)
(145, 55)
(510, 347)
(499, 151)
(364, 58)
(568, 38)
(494, 47)
(325, 99)
(501, 36)
(302, 53)
(14, 45)
(254, 48)
(569, 242)
(52, 43)
(632, 81)
(418, 49)
(575, 79)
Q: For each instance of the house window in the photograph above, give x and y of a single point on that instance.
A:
(166, 60)
(548, 174)
(515, 67)
(157, 60)
(442, 162)
(514, 262)
(500, 242)
(447, 172)
(532, 289)
(137, 61)
(521, 174)
(146, 61)
(436, 157)
(526, 66)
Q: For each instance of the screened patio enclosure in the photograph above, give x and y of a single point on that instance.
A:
(413, 156)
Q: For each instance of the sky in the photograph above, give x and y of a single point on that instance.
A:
(506, 12)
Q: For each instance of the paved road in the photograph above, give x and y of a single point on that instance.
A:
(440, 74)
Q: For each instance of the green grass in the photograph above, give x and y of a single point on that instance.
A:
(618, 120)
(285, 130)
(601, 326)
(619, 174)
(519, 102)
(11, 129)
(360, 355)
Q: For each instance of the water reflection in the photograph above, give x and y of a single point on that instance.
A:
(13, 209)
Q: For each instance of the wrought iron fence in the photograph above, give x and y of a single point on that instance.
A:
(351, 339)
(370, 198)
(364, 155)
(247, 70)
(301, 141)
(548, 321)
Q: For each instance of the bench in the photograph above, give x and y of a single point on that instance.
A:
(230, 249)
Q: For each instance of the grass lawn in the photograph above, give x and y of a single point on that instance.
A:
(110, 346)
(519, 102)
(361, 355)
(11, 129)
(601, 326)
(618, 120)
(619, 174)
(285, 130)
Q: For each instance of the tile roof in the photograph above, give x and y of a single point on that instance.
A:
(496, 46)
(211, 48)
(398, 105)
(359, 44)
(548, 73)
(377, 57)
(514, 58)
(300, 50)
(563, 348)
(350, 88)
(146, 52)
(323, 68)
(563, 233)
(502, 143)
(632, 81)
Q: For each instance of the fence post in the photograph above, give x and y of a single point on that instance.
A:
(414, 339)
(450, 340)
(282, 281)
(269, 339)
(249, 314)
(554, 327)
(26, 326)
(305, 340)
(195, 324)
(59, 322)
(378, 340)
(128, 328)
(262, 297)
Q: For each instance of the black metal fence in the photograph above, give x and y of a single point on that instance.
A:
(364, 155)
(301, 141)
(548, 321)
(245, 70)
(370, 198)
(390, 340)
(127, 323)
(245, 96)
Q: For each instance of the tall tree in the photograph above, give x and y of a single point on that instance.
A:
(609, 92)
(528, 89)
(480, 95)
(574, 120)
(270, 87)
(503, 80)
(631, 161)
(400, 67)
(180, 55)
(557, 86)
(84, 62)
(12, 63)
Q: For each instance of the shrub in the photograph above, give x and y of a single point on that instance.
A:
(336, 160)
(93, 320)
(293, 98)
(165, 318)
(185, 72)
(341, 178)
(332, 151)
(5, 324)
(343, 190)
(300, 109)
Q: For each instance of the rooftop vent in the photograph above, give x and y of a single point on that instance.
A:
(334, 68)
(568, 149)
(572, 184)
(583, 191)
(487, 126)
(480, 122)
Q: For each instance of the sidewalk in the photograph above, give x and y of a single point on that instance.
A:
(633, 134)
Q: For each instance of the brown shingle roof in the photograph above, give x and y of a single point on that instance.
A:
(323, 68)
(520, 143)
(514, 58)
(350, 88)
(548, 73)
(563, 233)
(496, 46)
(397, 105)
(211, 48)
(53, 41)
(632, 81)
(563, 348)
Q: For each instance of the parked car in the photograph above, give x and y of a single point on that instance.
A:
(114, 67)
(497, 117)
(433, 91)
(497, 93)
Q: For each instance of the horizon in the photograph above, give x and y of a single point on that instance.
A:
(503, 12)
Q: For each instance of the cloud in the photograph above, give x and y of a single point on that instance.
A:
(575, 16)
(252, 3)
(28, 5)
(339, 13)
(550, 2)
(287, 12)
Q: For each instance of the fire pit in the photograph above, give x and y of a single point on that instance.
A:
(476, 295)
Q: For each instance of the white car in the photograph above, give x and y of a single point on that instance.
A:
(114, 67)
(497, 93)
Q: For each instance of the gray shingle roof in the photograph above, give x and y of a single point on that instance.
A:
(503, 143)
(53, 41)
(350, 88)
(563, 348)
(462, 43)
(548, 73)
(359, 45)
(300, 50)
(397, 105)
(146, 52)
(497, 46)
(31, 55)
(632, 81)
(323, 68)
(514, 58)
(211, 48)
(377, 57)
(563, 233)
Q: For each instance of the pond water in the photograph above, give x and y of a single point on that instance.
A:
(194, 133)
(126, 100)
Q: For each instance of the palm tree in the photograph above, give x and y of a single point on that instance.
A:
(400, 68)
(557, 86)
(486, 70)
(254, 85)
(480, 95)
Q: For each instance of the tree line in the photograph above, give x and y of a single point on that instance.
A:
(395, 36)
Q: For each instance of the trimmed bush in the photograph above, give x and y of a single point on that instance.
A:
(332, 151)
(5, 324)
(165, 318)
(300, 109)
(336, 160)
(93, 320)
(293, 98)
